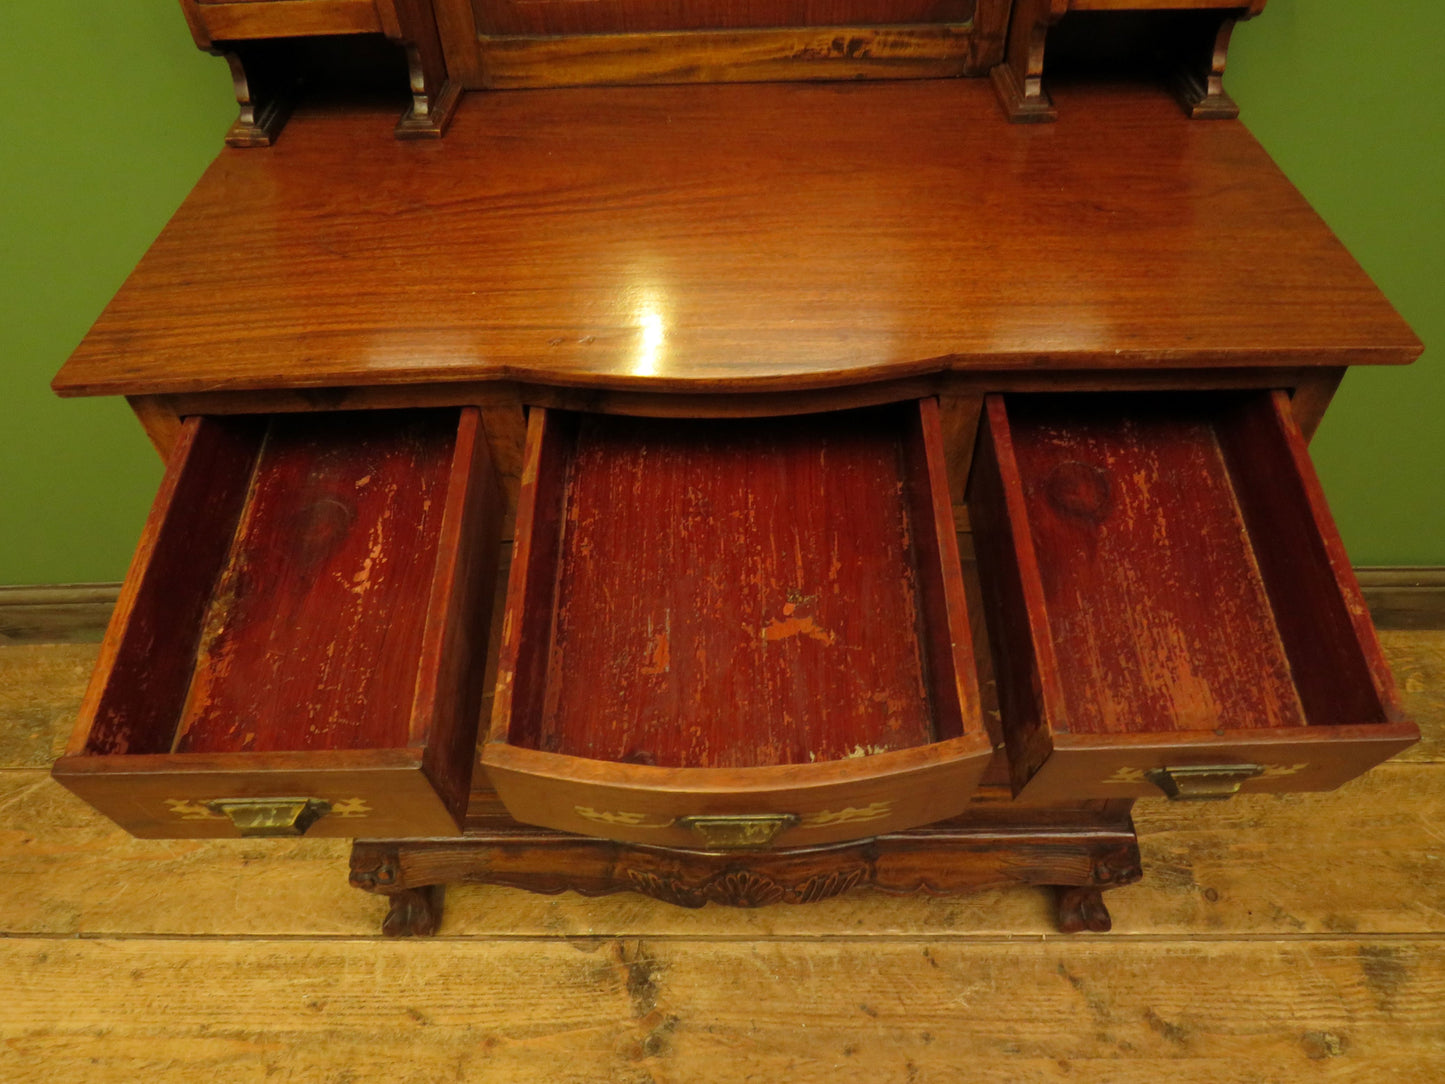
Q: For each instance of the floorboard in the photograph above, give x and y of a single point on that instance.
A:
(1298, 937)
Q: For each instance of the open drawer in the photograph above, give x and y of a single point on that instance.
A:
(1170, 607)
(298, 646)
(735, 633)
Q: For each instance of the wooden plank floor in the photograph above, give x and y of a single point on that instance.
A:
(1272, 939)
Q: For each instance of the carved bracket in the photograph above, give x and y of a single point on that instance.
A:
(1197, 80)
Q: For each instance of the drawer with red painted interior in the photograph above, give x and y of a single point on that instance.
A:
(1169, 604)
(736, 632)
(298, 646)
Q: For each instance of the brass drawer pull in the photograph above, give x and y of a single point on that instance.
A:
(258, 817)
(1202, 782)
(741, 832)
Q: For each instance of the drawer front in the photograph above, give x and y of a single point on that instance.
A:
(1214, 766)
(572, 17)
(1169, 605)
(738, 809)
(757, 620)
(383, 794)
(252, 20)
(305, 618)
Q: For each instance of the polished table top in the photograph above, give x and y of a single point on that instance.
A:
(771, 237)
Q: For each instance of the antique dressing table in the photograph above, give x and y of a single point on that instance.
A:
(734, 491)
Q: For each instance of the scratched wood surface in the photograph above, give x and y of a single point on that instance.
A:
(781, 582)
(1293, 937)
(336, 544)
(1105, 482)
(737, 238)
(1238, 633)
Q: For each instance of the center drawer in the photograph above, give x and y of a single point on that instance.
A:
(736, 633)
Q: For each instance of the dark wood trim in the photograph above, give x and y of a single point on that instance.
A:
(1399, 597)
(1079, 859)
(56, 613)
(1405, 596)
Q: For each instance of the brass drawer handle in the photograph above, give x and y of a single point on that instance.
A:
(1202, 782)
(259, 817)
(740, 832)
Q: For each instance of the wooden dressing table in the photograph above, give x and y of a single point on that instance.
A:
(637, 423)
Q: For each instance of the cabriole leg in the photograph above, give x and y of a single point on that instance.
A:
(1080, 908)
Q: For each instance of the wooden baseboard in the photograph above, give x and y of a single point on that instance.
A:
(1399, 597)
(62, 613)
(1405, 596)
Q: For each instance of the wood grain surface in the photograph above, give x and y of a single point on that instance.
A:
(637, 1010)
(741, 238)
(1272, 938)
(243, 20)
(554, 17)
(1154, 598)
(316, 621)
(363, 649)
(735, 617)
(754, 579)
(1165, 587)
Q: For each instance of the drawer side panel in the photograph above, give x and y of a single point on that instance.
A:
(146, 661)
(1338, 667)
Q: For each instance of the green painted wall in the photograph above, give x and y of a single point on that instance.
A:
(108, 114)
(1348, 98)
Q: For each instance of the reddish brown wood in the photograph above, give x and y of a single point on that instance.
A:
(264, 93)
(941, 619)
(1080, 909)
(265, 82)
(412, 25)
(697, 606)
(457, 28)
(1019, 80)
(1338, 667)
(415, 912)
(161, 422)
(609, 248)
(165, 795)
(1024, 667)
(451, 678)
(1137, 612)
(306, 617)
(733, 594)
(518, 702)
(565, 17)
(793, 54)
(314, 626)
(192, 12)
(1094, 851)
(1192, 34)
(1199, 81)
(1310, 396)
(1145, 563)
(243, 20)
(149, 651)
(628, 232)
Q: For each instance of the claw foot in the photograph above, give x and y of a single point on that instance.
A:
(1082, 908)
(415, 912)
